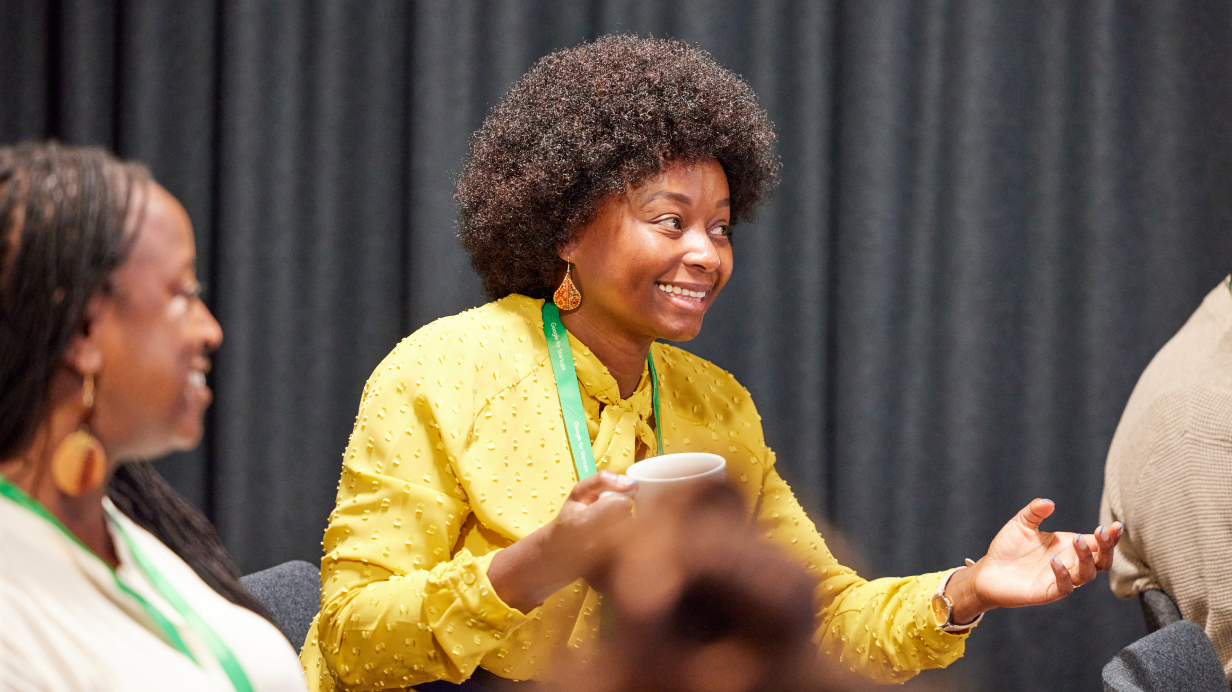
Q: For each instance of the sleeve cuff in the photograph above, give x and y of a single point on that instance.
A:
(936, 638)
(464, 612)
(940, 593)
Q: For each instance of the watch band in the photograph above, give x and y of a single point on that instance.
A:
(948, 626)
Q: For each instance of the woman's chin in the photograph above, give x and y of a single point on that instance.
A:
(186, 437)
(683, 330)
(679, 318)
(154, 445)
(188, 430)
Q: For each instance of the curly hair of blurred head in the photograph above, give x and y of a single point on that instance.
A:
(587, 122)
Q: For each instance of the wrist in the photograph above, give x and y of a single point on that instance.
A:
(527, 572)
(553, 558)
(966, 603)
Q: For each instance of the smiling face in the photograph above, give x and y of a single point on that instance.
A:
(153, 337)
(652, 260)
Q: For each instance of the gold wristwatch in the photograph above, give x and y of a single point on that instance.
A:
(943, 608)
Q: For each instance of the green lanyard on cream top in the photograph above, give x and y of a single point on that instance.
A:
(571, 397)
(239, 680)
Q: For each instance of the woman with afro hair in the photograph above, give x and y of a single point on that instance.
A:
(597, 205)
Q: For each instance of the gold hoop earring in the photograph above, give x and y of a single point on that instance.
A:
(567, 296)
(79, 464)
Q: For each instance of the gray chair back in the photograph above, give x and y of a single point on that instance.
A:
(1177, 657)
(292, 594)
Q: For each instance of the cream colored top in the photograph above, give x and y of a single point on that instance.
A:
(459, 450)
(1169, 475)
(65, 626)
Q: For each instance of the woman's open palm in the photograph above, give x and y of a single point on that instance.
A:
(1025, 566)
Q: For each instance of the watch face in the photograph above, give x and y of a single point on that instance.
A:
(941, 610)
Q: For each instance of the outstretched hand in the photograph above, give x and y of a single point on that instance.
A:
(1025, 566)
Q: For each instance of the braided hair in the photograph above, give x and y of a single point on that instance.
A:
(64, 217)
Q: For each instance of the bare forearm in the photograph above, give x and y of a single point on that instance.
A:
(524, 576)
(568, 548)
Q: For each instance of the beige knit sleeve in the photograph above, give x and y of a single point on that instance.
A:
(1154, 446)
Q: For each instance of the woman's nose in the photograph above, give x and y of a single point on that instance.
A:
(701, 252)
(211, 330)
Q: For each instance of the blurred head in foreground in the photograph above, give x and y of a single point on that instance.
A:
(699, 602)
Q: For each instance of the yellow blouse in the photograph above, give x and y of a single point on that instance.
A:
(459, 450)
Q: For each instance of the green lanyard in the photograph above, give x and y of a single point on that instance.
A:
(226, 658)
(571, 397)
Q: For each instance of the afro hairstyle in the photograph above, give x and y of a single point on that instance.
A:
(585, 123)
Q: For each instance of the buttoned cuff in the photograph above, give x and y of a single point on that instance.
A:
(467, 617)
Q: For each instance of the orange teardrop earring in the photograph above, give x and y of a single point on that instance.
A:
(79, 464)
(567, 296)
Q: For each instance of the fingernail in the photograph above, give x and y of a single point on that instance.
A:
(1100, 530)
(625, 480)
(1054, 557)
(1078, 539)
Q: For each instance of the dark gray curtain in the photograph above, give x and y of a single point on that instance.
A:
(992, 214)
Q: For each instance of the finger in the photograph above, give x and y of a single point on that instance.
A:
(610, 508)
(1119, 529)
(1037, 511)
(587, 491)
(1086, 561)
(1065, 585)
(1104, 543)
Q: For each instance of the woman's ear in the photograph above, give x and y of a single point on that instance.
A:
(567, 250)
(85, 353)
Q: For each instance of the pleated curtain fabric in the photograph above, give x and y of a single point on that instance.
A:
(992, 214)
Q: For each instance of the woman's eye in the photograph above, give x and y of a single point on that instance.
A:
(721, 230)
(191, 291)
(672, 223)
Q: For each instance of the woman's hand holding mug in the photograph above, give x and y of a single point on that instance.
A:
(574, 545)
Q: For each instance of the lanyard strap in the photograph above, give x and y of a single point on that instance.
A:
(654, 399)
(226, 658)
(571, 397)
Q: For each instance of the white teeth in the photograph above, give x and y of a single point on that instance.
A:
(196, 378)
(683, 292)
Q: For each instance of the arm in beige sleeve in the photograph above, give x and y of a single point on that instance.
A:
(1129, 573)
(1153, 440)
(398, 607)
(1167, 479)
(882, 629)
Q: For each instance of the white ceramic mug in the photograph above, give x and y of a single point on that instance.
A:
(658, 476)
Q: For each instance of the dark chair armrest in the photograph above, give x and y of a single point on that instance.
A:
(1158, 609)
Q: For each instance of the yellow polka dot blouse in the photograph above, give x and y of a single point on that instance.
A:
(459, 450)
